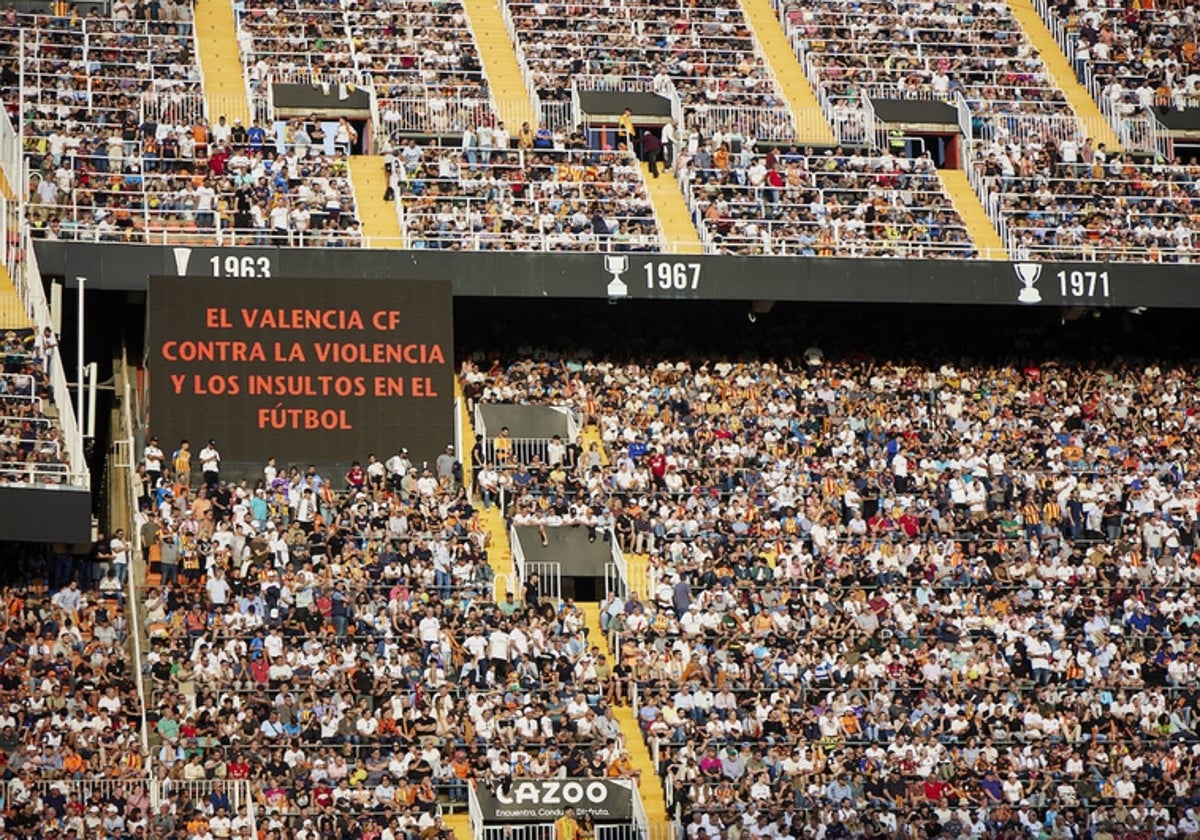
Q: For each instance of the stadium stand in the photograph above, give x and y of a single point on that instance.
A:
(893, 588)
(1068, 201)
(656, 45)
(529, 199)
(420, 59)
(1132, 56)
(789, 202)
(872, 621)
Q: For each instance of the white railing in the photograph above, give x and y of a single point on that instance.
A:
(873, 132)
(518, 558)
(126, 458)
(518, 831)
(433, 114)
(762, 123)
(983, 190)
(132, 792)
(474, 813)
(644, 583)
(173, 107)
(573, 420)
(557, 115)
(549, 582)
(198, 791)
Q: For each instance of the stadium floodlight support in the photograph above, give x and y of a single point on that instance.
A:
(80, 379)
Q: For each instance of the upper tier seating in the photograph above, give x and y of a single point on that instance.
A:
(898, 48)
(420, 57)
(788, 202)
(706, 49)
(532, 199)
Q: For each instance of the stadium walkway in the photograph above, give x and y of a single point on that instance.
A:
(381, 225)
(500, 66)
(811, 127)
(1063, 74)
(672, 211)
(12, 313)
(221, 62)
(650, 785)
(966, 202)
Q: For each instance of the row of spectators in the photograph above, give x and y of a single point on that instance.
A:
(31, 444)
(494, 198)
(1137, 55)
(886, 48)
(420, 58)
(152, 180)
(799, 203)
(1063, 199)
(706, 50)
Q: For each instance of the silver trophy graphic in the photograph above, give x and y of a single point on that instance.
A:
(616, 265)
(182, 257)
(1028, 273)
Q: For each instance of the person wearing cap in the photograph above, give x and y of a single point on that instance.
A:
(210, 464)
(152, 456)
(445, 467)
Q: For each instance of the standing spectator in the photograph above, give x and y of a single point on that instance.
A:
(445, 468)
(210, 463)
(626, 133)
(651, 149)
(668, 144)
(120, 555)
(46, 345)
(154, 458)
(182, 463)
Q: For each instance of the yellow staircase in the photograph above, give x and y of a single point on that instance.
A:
(499, 551)
(650, 786)
(6, 190)
(12, 313)
(639, 580)
(381, 225)
(221, 62)
(460, 824)
(1063, 75)
(672, 212)
(811, 127)
(500, 66)
(966, 202)
(591, 435)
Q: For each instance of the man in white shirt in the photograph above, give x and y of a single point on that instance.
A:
(210, 462)
(120, 553)
(154, 458)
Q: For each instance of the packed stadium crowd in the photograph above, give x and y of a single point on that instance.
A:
(705, 50)
(554, 195)
(752, 200)
(1072, 200)
(118, 150)
(31, 445)
(899, 596)
(934, 50)
(1141, 55)
(420, 59)
(902, 596)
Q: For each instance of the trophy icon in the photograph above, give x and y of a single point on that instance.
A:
(182, 257)
(1028, 273)
(616, 265)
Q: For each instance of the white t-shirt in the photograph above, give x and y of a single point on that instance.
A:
(154, 457)
(210, 459)
(120, 550)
